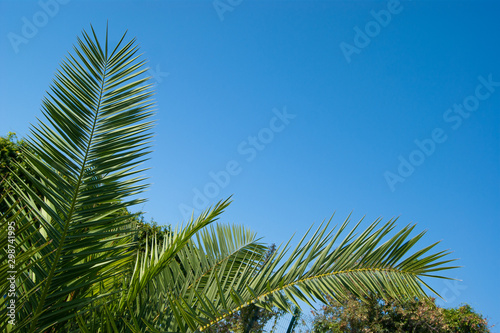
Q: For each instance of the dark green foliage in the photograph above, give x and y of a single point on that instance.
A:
(9, 152)
(249, 319)
(465, 320)
(149, 229)
(10, 160)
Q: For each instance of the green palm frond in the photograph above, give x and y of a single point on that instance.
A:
(86, 151)
(319, 265)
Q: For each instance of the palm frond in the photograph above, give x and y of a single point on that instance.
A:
(83, 162)
(320, 265)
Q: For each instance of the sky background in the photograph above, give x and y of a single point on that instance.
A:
(223, 73)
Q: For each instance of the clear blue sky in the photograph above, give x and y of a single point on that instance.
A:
(312, 106)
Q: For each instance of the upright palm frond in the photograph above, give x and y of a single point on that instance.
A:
(86, 152)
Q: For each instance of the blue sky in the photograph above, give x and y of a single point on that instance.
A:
(302, 109)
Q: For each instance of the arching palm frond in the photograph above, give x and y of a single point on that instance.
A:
(322, 264)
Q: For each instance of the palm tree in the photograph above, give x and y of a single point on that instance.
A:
(77, 267)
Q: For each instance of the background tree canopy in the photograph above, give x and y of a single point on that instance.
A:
(376, 315)
(10, 159)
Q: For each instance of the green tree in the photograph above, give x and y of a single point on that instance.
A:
(464, 319)
(10, 151)
(73, 249)
(373, 314)
(249, 319)
(10, 159)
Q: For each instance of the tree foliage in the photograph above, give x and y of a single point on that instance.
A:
(249, 319)
(465, 320)
(11, 160)
(80, 265)
(373, 314)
